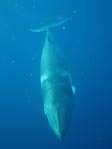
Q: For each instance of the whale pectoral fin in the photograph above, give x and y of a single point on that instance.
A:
(45, 111)
(73, 89)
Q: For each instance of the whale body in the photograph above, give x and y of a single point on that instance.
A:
(56, 85)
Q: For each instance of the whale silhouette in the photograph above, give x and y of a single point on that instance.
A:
(56, 85)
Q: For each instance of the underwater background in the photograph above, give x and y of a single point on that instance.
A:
(86, 41)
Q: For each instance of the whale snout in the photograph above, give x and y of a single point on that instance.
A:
(59, 117)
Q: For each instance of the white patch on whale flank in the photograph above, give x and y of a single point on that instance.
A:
(43, 78)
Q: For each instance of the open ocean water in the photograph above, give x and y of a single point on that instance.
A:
(86, 41)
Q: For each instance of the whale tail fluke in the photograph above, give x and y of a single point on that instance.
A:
(47, 27)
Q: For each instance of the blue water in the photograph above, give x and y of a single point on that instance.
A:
(86, 41)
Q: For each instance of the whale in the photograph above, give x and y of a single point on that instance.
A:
(56, 83)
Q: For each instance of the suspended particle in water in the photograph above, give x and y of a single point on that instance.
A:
(12, 61)
(63, 27)
(74, 11)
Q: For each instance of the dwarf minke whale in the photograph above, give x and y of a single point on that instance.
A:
(56, 85)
